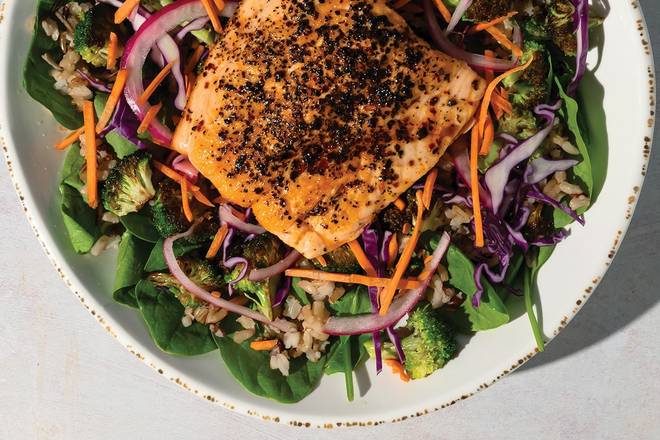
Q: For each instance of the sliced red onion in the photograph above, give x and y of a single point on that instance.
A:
(472, 59)
(194, 25)
(94, 83)
(275, 269)
(190, 286)
(581, 20)
(404, 302)
(228, 217)
(539, 169)
(138, 47)
(497, 177)
(172, 54)
(184, 166)
(226, 243)
(461, 7)
(230, 264)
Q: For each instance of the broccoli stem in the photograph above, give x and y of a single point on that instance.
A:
(527, 286)
(348, 366)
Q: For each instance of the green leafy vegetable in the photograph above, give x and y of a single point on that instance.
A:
(353, 302)
(140, 225)
(133, 254)
(300, 294)
(529, 282)
(162, 313)
(122, 146)
(36, 75)
(156, 261)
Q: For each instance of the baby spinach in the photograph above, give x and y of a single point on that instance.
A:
(79, 220)
(70, 171)
(156, 261)
(140, 225)
(37, 80)
(299, 293)
(353, 302)
(491, 312)
(162, 313)
(529, 284)
(133, 254)
(251, 369)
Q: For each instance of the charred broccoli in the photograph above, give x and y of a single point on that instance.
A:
(128, 186)
(530, 87)
(392, 218)
(260, 292)
(561, 26)
(341, 260)
(520, 123)
(430, 346)
(200, 271)
(166, 212)
(486, 10)
(92, 34)
(263, 250)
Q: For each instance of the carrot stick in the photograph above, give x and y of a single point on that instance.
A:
(388, 292)
(70, 139)
(400, 204)
(201, 198)
(169, 172)
(489, 137)
(446, 15)
(501, 104)
(494, 22)
(504, 41)
(217, 241)
(400, 4)
(263, 345)
(362, 258)
(392, 250)
(113, 99)
(321, 260)
(90, 153)
(397, 368)
(149, 118)
(406, 228)
(151, 88)
(312, 274)
(489, 93)
(219, 4)
(113, 48)
(474, 179)
(429, 183)
(185, 202)
(210, 10)
(125, 10)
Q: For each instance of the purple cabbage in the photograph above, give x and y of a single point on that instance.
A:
(581, 21)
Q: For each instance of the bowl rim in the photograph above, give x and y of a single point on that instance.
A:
(87, 300)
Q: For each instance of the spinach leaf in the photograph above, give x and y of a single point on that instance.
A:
(140, 225)
(156, 261)
(133, 254)
(73, 163)
(36, 74)
(79, 220)
(122, 146)
(300, 294)
(354, 302)
(336, 353)
(491, 312)
(252, 370)
(529, 285)
(162, 313)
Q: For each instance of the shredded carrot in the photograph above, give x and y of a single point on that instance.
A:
(488, 73)
(392, 250)
(446, 15)
(501, 105)
(238, 214)
(321, 260)
(429, 184)
(90, 153)
(125, 10)
(185, 201)
(213, 15)
(217, 241)
(474, 179)
(215, 294)
(388, 292)
(362, 258)
(113, 49)
(113, 99)
(149, 118)
(70, 139)
(169, 172)
(400, 4)
(504, 41)
(164, 145)
(219, 4)
(400, 204)
(312, 274)
(397, 368)
(494, 22)
(483, 112)
(406, 228)
(194, 59)
(151, 88)
(263, 345)
(489, 137)
(201, 198)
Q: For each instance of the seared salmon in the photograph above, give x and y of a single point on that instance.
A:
(319, 113)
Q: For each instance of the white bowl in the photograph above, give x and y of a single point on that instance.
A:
(627, 92)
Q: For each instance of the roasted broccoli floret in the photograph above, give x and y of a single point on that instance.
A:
(485, 10)
(430, 346)
(92, 34)
(128, 186)
(392, 218)
(200, 271)
(263, 250)
(561, 26)
(260, 292)
(166, 211)
(520, 123)
(341, 260)
(529, 88)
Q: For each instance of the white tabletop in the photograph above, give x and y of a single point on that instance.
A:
(63, 377)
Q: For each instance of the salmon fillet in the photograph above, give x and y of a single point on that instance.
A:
(317, 114)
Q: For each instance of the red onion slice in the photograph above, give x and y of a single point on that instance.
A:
(275, 269)
(194, 25)
(190, 286)
(183, 165)
(228, 217)
(138, 47)
(456, 52)
(461, 7)
(404, 302)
